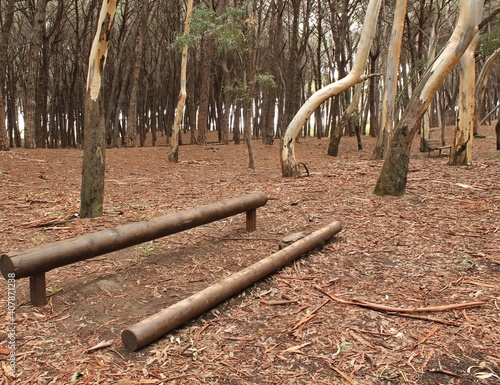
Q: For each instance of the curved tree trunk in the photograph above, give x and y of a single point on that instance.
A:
(394, 174)
(173, 154)
(289, 166)
(94, 144)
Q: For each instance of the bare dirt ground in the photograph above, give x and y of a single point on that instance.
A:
(437, 245)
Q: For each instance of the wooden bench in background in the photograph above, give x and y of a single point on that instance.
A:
(34, 263)
(435, 143)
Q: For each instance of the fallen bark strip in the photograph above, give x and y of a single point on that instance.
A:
(340, 373)
(430, 319)
(309, 316)
(376, 306)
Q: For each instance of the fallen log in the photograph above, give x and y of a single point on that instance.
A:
(156, 326)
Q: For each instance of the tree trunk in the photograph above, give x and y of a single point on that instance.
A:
(431, 55)
(482, 82)
(391, 82)
(393, 177)
(94, 146)
(461, 151)
(206, 82)
(333, 147)
(497, 130)
(137, 68)
(30, 127)
(4, 43)
(289, 166)
(173, 154)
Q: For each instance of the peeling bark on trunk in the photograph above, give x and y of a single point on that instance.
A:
(173, 154)
(94, 144)
(461, 151)
(289, 165)
(393, 177)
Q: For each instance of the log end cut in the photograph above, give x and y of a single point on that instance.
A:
(7, 266)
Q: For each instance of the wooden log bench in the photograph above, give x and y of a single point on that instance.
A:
(34, 263)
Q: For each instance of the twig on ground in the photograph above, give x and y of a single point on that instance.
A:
(376, 306)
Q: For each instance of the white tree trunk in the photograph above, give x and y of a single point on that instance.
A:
(289, 166)
(173, 154)
(461, 151)
(391, 81)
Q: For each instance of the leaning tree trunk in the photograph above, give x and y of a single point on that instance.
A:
(94, 139)
(394, 174)
(173, 154)
(391, 81)
(289, 166)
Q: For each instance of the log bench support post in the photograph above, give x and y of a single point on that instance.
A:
(252, 220)
(38, 292)
(34, 263)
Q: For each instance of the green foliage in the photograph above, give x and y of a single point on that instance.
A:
(228, 28)
(490, 42)
(265, 80)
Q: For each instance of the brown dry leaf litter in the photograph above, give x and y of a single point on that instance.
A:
(438, 245)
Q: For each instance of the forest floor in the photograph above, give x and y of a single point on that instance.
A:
(437, 245)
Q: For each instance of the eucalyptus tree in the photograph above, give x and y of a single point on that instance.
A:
(289, 166)
(393, 177)
(94, 146)
(388, 115)
(173, 155)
